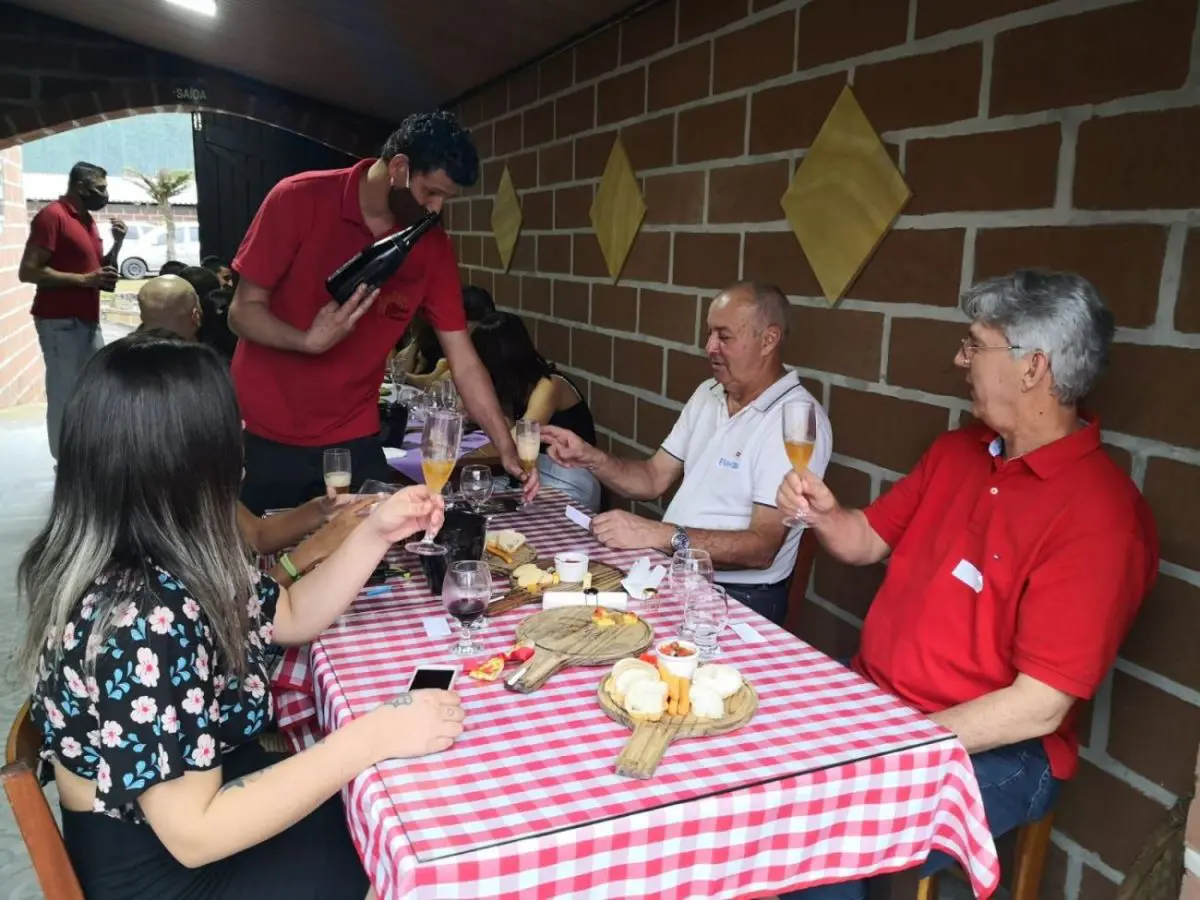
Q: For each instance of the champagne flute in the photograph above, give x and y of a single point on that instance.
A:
(707, 613)
(440, 437)
(529, 445)
(799, 439)
(467, 591)
(337, 470)
(476, 485)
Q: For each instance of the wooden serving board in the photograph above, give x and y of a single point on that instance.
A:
(650, 740)
(604, 578)
(567, 637)
(525, 554)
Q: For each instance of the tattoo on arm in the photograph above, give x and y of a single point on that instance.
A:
(404, 699)
(244, 780)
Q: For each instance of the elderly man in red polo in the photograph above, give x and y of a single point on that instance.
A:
(1018, 552)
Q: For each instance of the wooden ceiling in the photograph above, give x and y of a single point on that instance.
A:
(383, 57)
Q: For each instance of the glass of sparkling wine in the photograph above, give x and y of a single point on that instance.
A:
(337, 470)
(440, 438)
(799, 439)
(529, 445)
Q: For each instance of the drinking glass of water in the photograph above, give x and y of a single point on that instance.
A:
(691, 571)
(337, 470)
(706, 614)
(465, 595)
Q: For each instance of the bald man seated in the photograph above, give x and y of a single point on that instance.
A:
(725, 450)
(170, 303)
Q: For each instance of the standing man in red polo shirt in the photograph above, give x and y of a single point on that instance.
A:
(307, 371)
(65, 259)
(1019, 553)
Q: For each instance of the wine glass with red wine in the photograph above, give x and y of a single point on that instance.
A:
(465, 595)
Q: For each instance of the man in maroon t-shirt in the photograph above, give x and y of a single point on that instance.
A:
(65, 259)
(307, 371)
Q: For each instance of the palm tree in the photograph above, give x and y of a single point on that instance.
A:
(168, 183)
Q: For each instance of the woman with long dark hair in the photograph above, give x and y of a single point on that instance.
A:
(147, 631)
(529, 386)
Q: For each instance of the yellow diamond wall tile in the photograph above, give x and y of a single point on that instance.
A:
(844, 197)
(506, 218)
(617, 209)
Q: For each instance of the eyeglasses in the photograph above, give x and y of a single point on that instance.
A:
(969, 347)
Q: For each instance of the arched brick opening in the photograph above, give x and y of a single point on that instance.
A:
(211, 94)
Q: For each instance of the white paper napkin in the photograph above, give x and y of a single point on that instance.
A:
(641, 577)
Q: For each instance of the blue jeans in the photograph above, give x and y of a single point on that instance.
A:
(768, 600)
(1017, 787)
(67, 345)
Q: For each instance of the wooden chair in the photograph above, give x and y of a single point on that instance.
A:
(1033, 841)
(34, 818)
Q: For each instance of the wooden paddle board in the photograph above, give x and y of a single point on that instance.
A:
(604, 578)
(525, 554)
(650, 740)
(569, 637)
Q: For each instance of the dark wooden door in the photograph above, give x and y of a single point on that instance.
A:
(237, 162)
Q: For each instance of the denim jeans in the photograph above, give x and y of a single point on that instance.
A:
(768, 600)
(1017, 787)
(67, 345)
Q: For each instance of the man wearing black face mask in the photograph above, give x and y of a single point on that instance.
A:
(307, 371)
(65, 259)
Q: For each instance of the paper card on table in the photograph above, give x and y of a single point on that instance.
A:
(746, 632)
(436, 626)
(583, 520)
(611, 599)
(390, 453)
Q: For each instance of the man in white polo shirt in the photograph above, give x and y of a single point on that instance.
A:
(728, 447)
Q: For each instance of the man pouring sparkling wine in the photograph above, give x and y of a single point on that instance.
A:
(326, 251)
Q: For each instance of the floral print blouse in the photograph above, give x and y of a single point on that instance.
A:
(158, 701)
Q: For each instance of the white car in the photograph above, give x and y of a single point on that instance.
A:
(147, 253)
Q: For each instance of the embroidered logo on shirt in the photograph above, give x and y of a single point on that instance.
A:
(729, 463)
(395, 306)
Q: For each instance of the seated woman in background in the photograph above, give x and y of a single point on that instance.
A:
(530, 387)
(420, 352)
(147, 631)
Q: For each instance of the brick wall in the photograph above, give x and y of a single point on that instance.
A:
(20, 357)
(55, 75)
(1032, 133)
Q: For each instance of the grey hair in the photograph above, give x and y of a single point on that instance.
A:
(1058, 313)
(769, 301)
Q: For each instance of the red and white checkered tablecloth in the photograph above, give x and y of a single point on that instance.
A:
(831, 780)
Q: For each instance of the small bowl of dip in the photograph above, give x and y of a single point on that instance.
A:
(680, 658)
(571, 567)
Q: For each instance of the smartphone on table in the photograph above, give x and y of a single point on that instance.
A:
(434, 677)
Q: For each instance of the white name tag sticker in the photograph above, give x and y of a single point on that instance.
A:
(968, 575)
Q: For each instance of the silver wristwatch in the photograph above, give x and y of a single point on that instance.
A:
(680, 540)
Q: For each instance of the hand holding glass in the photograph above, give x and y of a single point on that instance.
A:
(337, 470)
(799, 439)
(441, 435)
(466, 594)
(529, 445)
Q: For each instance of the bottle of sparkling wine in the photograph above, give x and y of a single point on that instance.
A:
(379, 262)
